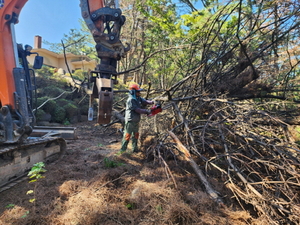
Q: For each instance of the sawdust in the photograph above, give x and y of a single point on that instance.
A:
(91, 185)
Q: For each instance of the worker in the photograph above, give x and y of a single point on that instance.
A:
(133, 116)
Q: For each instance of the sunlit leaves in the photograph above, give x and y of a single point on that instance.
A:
(29, 192)
(36, 170)
(35, 174)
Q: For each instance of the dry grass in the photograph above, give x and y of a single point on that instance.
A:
(81, 190)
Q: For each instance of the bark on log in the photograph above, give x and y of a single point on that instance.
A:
(212, 193)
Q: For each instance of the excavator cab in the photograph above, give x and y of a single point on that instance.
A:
(17, 120)
(17, 80)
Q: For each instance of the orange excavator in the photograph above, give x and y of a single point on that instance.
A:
(18, 151)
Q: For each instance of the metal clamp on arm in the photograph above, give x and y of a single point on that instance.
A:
(104, 22)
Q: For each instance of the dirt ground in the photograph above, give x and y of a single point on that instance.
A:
(91, 185)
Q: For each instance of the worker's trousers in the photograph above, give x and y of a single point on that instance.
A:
(131, 130)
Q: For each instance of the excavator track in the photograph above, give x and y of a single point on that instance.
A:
(16, 160)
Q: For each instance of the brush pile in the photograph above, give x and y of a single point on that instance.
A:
(250, 149)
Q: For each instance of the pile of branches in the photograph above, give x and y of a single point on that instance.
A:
(220, 116)
(246, 140)
(250, 148)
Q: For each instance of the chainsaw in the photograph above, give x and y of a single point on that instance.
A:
(155, 109)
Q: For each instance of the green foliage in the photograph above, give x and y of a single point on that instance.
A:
(25, 215)
(163, 29)
(120, 85)
(59, 114)
(35, 174)
(159, 209)
(48, 105)
(108, 163)
(84, 108)
(162, 13)
(78, 42)
(80, 75)
(71, 110)
(62, 102)
(130, 206)
(39, 114)
(66, 122)
(61, 110)
(45, 71)
(52, 91)
(9, 206)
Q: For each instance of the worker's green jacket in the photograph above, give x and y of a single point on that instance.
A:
(133, 104)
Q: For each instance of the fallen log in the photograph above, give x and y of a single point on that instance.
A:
(187, 156)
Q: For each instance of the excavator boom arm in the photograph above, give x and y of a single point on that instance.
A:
(104, 20)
